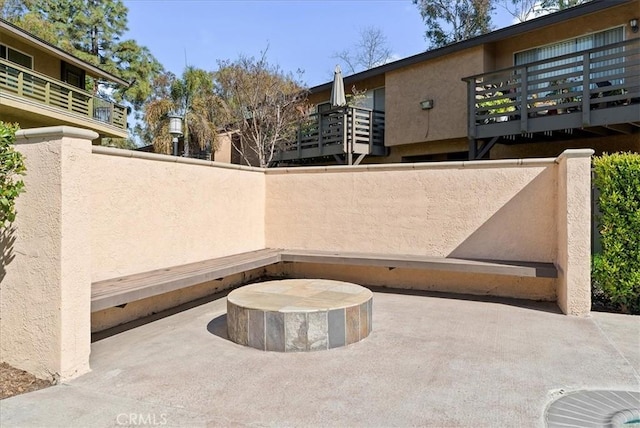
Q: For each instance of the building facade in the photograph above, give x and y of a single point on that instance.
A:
(42, 85)
(564, 80)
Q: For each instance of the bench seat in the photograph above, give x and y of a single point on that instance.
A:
(126, 289)
(118, 291)
(496, 267)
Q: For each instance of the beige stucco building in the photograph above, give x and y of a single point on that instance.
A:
(42, 85)
(477, 93)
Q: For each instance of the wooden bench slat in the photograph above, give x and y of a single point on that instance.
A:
(118, 291)
(178, 272)
(129, 288)
(173, 273)
(497, 267)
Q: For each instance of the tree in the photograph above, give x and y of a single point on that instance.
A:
(262, 103)
(11, 9)
(450, 21)
(524, 10)
(191, 96)
(551, 6)
(370, 51)
(11, 167)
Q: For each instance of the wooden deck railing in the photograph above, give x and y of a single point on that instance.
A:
(26, 83)
(340, 131)
(579, 90)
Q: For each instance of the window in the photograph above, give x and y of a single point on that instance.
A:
(571, 46)
(73, 75)
(378, 99)
(15, 56)
(321, 108)
(594, 40)
(372, 99)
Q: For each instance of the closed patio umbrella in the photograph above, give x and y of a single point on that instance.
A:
(337, 90)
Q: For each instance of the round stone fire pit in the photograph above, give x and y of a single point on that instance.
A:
(297, 315)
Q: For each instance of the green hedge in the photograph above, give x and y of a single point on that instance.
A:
(616, 271)
(11, 166)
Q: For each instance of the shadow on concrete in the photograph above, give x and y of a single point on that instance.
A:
(7, 239)
(549, 307)
(218, 327)
(95, 337)
(100, 335)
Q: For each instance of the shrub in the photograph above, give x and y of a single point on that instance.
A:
(616, 272)
(11, 166)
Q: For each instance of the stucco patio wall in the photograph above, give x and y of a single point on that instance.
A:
(521, 210)
(45, 271)
(94, 213)
(150, 212)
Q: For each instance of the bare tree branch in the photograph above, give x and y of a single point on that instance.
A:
(370, 51)
(261, 102)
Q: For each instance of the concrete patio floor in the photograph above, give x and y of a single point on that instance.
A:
(431, 360)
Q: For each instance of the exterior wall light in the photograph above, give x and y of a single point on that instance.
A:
(175, 129)
(426, 104)
(633, 23)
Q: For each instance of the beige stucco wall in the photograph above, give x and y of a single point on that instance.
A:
(437, 79)
(223, 152)
(573, 232)
(46, 284)
(501, 210)
(150, 212)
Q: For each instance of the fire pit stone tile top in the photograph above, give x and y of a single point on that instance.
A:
(299, 315)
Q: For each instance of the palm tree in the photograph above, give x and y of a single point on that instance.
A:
(190, 96)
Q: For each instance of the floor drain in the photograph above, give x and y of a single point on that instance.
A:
(600, 408)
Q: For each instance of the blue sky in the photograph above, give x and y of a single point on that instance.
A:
(300, 34)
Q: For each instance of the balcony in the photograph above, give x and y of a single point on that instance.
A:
(346, 133)
(594, 92)
(26, 84)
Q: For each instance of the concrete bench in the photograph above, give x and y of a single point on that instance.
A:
(126, 289)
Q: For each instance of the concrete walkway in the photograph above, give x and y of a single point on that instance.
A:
(431, 360)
